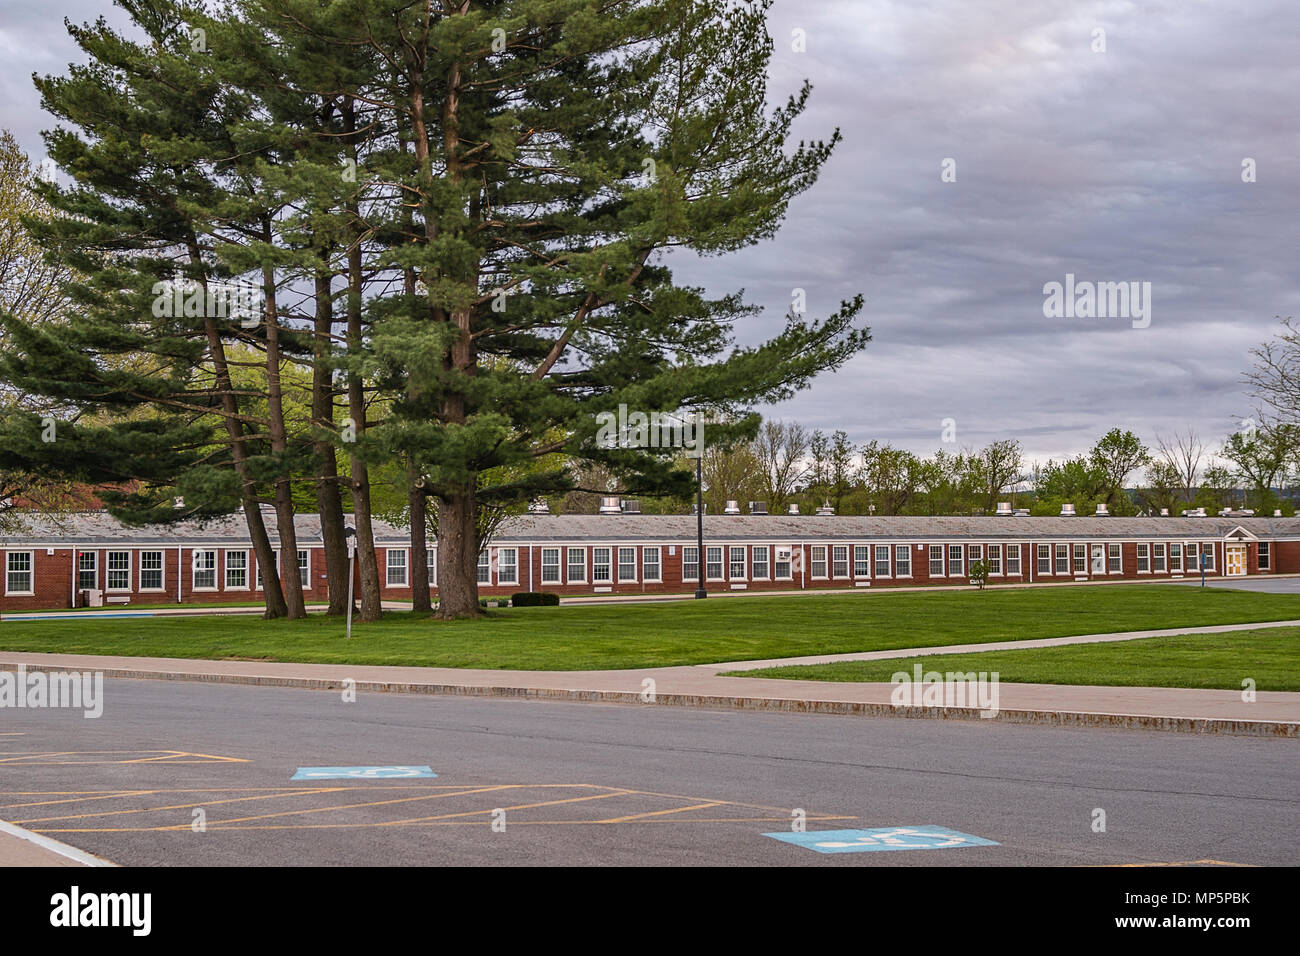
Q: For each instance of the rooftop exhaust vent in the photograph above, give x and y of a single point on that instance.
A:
(1067, 510)
(826, 509)
(1021, 512)
(539, 507)
(1004, 508)
(732, 508)
(1164, 512)
(758, 507)
(610, 506)
(1102, 510)
(794, 509)
(631, 507)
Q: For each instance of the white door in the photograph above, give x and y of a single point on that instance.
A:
(1235, 559)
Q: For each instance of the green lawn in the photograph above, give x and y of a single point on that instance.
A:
(646, 635)
(1271, 658)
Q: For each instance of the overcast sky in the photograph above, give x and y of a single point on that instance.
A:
(1122, 165)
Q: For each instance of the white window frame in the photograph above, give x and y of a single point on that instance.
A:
(1061, 558)
(994, 563)
(511, 568)
(1143, 557)
(732, 562)
(110, 570)
(902, 560)
(709, 563)
(569, 552)
(1010, 551)
(693, 576)
(1114, 558)
(484, 565)
(1181, 566)
(868, 561)
(1079, 556)
(554, 566)
(1158, 552)
(404, 566)
(836, 561)
(1260, 549)
(226, 569)
(1208, 548)
(30, 572)
(1039, 558)
(94, 569)
(777, 564)
(930, 553)
(974, 552)
(647, 576)
(814, 561)
(304, 570)
(433, 568)
(195, 569)
(622, 579)
(161, 569)
(607, 564)
(959, 552)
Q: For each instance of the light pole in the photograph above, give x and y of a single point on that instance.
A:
(699, 523)
(350, 539)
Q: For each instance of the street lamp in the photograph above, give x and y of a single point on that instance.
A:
(699, 524)
(350, 539)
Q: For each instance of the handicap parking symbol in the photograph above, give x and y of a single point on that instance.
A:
(361, 773)
(882, 838)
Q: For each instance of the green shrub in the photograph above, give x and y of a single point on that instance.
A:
(534, 599)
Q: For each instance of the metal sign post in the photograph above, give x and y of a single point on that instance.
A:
(350, 536)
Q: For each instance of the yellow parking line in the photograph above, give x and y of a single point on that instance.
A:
(178, 806)
(348, 806)
(105, 796)
(658, 813)
(522, 806)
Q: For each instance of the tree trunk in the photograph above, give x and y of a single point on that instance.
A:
(289, 580)
(420, 600)
(457, 557)
(328, 500)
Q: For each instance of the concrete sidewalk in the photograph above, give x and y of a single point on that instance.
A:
(1275, 714)
(19, 847)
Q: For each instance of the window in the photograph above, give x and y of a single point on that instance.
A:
(600, 569)
(577, 565)
(119, 570)
(995, 559)
(550, 565)
(936, 560)
(1115, 562)
(236, 570)
(304, 568)
(1144, 561)
(205, 570)
(975, 553)
(736, 563)
(882, 561)
(1044, 559)
(840, 561)
(1080, 559)
(18, 579)
(713, 563)
(954, 560)
(87, 570)
(1209, 557)
(784, 567)
(259, 569)
(396, 562)
(690, 564)
(627, 564)
(1175, 556)
(819, 561)
(484, 567)
(1013, 559)
(1062, 559)
(433, 568)
(759, 568)
(151, 570)
(1265, 559)
(650, 570)
(507, 565)
(902, 561)
(1157, 557)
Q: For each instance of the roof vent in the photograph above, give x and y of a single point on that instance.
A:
(1224, 512)
(732, 508)
(794, 509)
(610, 506)
(1067, 510)
(758, 507)
(1194, 513)
(1004, 508)
(631, 507)
(178, 503)
(1277, 512)
(1021, 512)
(695, 509)
(1164, 512)
(539, 507)
(826, 509)
(1102, 510)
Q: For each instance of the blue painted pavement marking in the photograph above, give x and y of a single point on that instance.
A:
(360, 773)
(882, 838)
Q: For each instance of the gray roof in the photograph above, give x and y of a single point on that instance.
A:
(98, 528)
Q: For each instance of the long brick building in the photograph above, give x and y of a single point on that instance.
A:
(92, 559)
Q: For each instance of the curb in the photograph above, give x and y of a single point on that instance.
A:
(1058, 718)
(53, 846)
